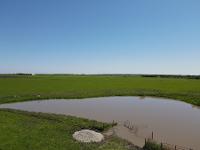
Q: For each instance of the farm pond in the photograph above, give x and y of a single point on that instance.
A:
(170, 121)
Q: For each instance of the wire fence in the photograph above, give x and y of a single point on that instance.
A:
(167, 146)
(163, 146)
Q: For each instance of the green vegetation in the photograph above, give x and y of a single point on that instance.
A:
(28, 131)
(23, 130)
(151, 145)
(22, 88)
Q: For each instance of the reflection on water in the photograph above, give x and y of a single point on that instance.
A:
(171, 121)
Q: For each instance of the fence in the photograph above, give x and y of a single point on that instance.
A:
(167, 146)
(163, 146)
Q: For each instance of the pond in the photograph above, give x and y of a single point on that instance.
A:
(171, 121)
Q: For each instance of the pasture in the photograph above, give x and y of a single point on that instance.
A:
(23, 88)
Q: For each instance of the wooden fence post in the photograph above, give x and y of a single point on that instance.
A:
(113, 123)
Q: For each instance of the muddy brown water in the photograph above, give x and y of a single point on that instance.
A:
(171, 121)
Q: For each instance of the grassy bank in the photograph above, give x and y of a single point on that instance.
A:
(25, 131)
(43, 87)
(22, 130)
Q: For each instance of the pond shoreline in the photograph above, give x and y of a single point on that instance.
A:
(75, 87)
(144, 115)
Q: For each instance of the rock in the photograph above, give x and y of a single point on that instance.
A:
(88, 136)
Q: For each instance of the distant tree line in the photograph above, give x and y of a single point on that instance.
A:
(124, 75)
(173, 76)
(15, 75)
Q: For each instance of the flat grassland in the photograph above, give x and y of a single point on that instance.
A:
(37, 131)
(24, 130)
(22, 88)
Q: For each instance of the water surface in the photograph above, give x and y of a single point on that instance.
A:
(171, 121)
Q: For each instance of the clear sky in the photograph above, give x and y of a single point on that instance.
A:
(100, 36)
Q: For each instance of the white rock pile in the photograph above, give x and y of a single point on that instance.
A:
(88, 136)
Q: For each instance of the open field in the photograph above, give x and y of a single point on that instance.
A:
(22, 131)
(22, 88)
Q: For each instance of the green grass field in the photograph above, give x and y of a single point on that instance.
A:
(26, 131)
(37, 131)
(14, 89)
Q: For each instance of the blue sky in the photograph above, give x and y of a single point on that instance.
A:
(100, 36)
